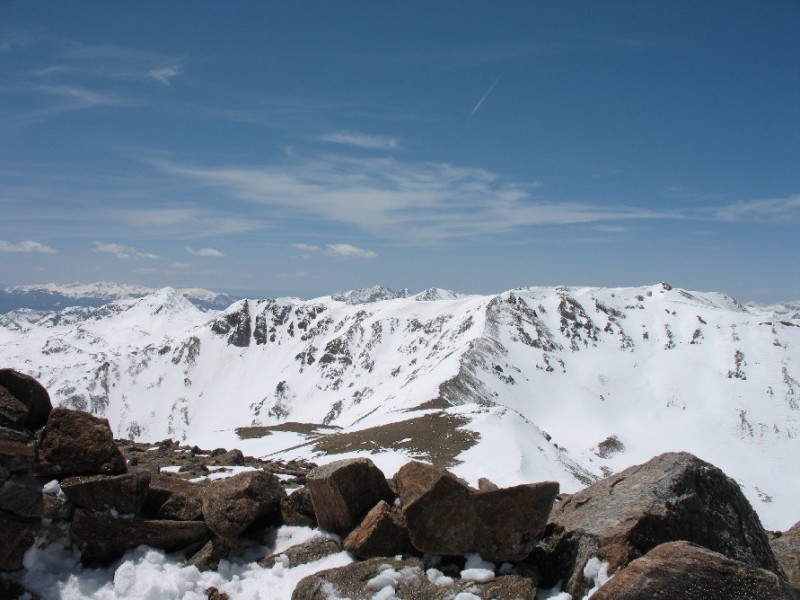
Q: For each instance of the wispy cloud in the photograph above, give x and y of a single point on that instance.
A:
(180, 265)
(165, 73)
(310, 248)
(187, 222)
(346, 251)
(207, 252)
(26, 246)
(361, 140)
(121, 251)
(771, 210)
(409, 201)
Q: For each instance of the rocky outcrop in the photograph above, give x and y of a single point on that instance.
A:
(122, 493)
(383, 532)
(171, 497)
(686, 570)
(16, 536)
(342, 493)
(674, 496)
(77, 443)
(314, 549)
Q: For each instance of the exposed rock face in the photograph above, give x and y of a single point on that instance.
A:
(13, 413)
(170, 497)
(16, 536)
(24, 496)
(31, 393)
(407, 580)
(685, 570)
(438, 509)
(510, 521)
(343, 491)
(675, 496)
(102, 538)
(787, 551)
(301, 554)
(77, 443)
(124, 493)
(382, 533)
(16, 452)
(231, 505)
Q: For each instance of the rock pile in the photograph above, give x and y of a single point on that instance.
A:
(674, 527)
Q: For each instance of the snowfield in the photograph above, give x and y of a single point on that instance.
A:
(565, 384)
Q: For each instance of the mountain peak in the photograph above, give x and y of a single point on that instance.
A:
(368, 295)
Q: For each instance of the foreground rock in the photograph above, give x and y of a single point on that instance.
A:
(77, 443)
(685, 570)
(408, 580)
(170, 497)
(103, 538)
(123, 493)
(343, 491)
(382, 533)
(16, 537)
(786, 548)
(674, 496)
(232, 505)
(30, 393)
(301, 554)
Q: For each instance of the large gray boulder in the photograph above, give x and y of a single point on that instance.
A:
(77, 443)
(31, 393)
(233, 504)
(686, 570)
(343, 491)
(674, 496)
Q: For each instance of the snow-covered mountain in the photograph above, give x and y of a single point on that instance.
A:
(530, 384)
(51, 296)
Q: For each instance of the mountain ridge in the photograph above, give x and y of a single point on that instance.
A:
(564, 383)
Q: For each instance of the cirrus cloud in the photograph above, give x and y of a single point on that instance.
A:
(121, 251)
(203, 251)
(348, 251)
(27, 246)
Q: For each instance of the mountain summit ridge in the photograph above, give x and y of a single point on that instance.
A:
(565, 383)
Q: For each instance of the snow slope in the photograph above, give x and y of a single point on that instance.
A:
(531, 384)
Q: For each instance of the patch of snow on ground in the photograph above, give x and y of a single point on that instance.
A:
(595, 571)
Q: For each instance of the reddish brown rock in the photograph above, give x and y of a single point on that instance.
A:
(786, 548)
(438, 508)
(342, 493)
(16, 453)
(103, 538)
(172, 497)
(382, 533)
(233, 504)
(685, 570)
(674, 496)
(31, 393)
(297, 509)
(77, 443)
(510, 521)
(123, 493)
(13, 413)
(17, 535)
(301, 554)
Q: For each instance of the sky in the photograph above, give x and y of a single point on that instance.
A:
(302, 148)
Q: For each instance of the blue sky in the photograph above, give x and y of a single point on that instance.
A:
(272, 148)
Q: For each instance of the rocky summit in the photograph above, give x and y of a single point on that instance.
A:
(675, 526)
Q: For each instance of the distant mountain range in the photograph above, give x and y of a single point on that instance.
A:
(49, 297)
(529, 384)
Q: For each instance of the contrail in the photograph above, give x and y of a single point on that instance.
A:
(485, 96)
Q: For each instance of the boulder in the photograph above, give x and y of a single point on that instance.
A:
(172, 497)
(297, 509)
(77, 443)
(786, 548)
(26, 496)
(686, 570)
(230, 458)
(123, 493)
(300, 554)
(233, 504)
(510, 521)
(438, 508)
(31, 393)
(13, 413)
(674, 496)
(214, 550)
(382, 533)
(16, 452)
(17, 535)
(407, 580)
(103, 538)
(342, 493)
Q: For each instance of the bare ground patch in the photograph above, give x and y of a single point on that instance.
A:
(248, 433)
